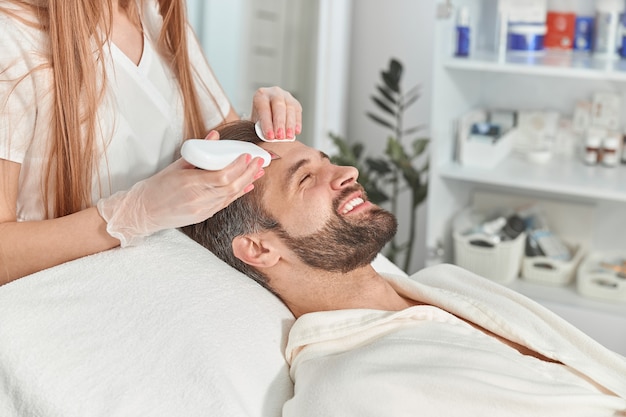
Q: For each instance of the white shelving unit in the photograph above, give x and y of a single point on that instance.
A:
(550, 81)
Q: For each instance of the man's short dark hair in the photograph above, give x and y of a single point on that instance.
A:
(246, 215)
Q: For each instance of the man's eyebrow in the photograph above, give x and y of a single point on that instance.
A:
(291, 172)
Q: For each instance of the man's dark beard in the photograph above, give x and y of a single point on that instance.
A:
(344, 245)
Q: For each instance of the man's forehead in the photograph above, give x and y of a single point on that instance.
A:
(286, 150)
(284, 153)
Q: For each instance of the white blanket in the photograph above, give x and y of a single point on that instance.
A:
(162, 329)
(425, 361)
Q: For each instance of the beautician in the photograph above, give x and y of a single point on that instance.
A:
(95, 101)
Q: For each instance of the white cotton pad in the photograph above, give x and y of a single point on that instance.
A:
(259, 133)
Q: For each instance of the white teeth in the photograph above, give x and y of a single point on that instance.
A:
(350, 205)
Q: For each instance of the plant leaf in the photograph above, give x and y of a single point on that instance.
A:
(420, 145)
(383, 106)
(380, 121)
(413, 129)
(375, 194)
(411, 99)
(401, 160)
(395, 151)
(419, 195)
(393, 75)
(340, 143)
(385, 92)
(378, 165)
(357, 150)
(415, 90)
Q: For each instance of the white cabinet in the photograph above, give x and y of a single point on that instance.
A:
(551, 82)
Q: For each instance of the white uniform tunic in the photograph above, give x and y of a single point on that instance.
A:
(140, 121)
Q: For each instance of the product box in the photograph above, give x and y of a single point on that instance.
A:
(537, 130)
(561, 28)
(606, 110)
(583, 33)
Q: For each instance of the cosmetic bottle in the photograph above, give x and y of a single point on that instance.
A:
(513, 228)
(607, 23)
(610, 150)
(488, 232)
(593, 141)
(542, 241)
(463, 34)
(622, 36)
(583, 26)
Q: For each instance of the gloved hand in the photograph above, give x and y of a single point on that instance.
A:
(178, 196)
(279, 113)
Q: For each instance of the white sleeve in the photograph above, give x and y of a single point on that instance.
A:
(18, 89)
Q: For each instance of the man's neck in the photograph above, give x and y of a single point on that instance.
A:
(312, 290)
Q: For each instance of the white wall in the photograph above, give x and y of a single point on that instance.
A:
(380, 30)
(220, 28)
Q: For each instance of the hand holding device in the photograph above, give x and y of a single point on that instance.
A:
(178, 196)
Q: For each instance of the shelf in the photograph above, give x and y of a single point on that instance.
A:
(549, 64)
(566, 295)
(564, 177)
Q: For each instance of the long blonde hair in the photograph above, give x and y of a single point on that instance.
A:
(74, 28)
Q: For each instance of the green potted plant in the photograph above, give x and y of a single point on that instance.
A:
(399, 170)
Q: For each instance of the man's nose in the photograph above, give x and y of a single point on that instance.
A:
(344, 176)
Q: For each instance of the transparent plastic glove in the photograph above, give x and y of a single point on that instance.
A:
(278, 112)
(178, 196)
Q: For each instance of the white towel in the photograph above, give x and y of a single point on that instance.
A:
(162, 329)
(426, 361)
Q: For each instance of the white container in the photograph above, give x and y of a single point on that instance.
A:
(499, 262)
(611, 146)
(549, 271)
(596, 282)
(484, 153)
(526, 37)
(593, 145)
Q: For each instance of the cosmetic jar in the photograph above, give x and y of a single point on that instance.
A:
(592, 149)
(526, 37)
(610, 149)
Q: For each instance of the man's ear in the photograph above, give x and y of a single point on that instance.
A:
(255, 251)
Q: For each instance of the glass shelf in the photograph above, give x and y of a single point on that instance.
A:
(559, 176)
(547, 63)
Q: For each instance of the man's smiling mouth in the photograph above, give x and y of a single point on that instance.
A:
(352, 204)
